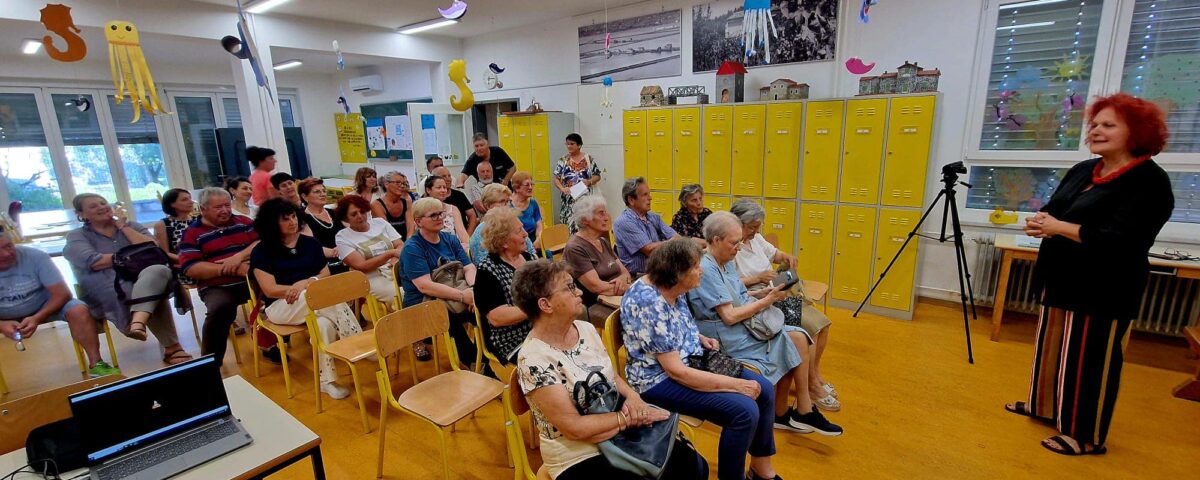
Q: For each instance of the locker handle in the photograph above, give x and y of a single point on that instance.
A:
(781, 132)
(777, 226)
(660, 134)
(716, 132)
(814, 231)
(747, 132)
(685, 133)
(854, 234)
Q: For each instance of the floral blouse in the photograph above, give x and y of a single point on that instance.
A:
(688, 226)
(569, 176)
(650, 326)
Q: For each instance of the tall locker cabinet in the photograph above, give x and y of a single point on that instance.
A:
(748, 123)
(910, 134)
(687, 146)
(659, 149)
(635, 142)
(535, 143)
(862, 151)
(718, 147)
(822, 150)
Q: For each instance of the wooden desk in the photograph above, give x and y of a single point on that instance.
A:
(279, 440)
(1011, 251)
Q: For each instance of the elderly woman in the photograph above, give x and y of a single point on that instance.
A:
(90, 250)
(286, 186)
(558, 353)
(366, 183)
(494, 195)
(368, 245)
(573, 168)
(285, 263)
(241, 192)
(427, 250)
(506, 326)
(689, 220)
(1096, 230)
(438, 188)
(395, 204)
(754, 265)
(593, 263)
(527, 208)
(317, 220)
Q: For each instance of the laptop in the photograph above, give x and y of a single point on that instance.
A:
(159, 424)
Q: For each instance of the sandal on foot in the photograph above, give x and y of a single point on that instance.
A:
(137, 331)
(1064, 445)
(177, 357)
(1022, 409)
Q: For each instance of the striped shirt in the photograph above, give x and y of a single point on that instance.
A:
(205, 243)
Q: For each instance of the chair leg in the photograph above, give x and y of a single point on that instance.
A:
(237, 353)
(383, 411)
(112, 350)
(255, 352)
(412, 356)
(362, 404)
(80, 359)
(478, 350)
(3, 383)
(287, 374)
(316, 368)
(195, 325)
(445, 462)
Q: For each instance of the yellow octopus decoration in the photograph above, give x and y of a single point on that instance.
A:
(131, 75)
(458, 75)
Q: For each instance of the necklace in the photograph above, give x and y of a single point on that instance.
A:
(324, 224)
(1097, 179)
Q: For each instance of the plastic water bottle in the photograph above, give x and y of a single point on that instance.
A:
(20, 344)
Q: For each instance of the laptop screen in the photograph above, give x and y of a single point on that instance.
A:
(123, 416)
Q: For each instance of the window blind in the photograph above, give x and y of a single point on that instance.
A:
(1162, 64)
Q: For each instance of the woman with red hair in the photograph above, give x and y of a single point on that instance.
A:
(1092, 268)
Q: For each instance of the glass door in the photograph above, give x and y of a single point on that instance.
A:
(26, 164)
(198, 116)
(141, 158)
(448, 136)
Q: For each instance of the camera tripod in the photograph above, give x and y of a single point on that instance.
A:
(949, 210)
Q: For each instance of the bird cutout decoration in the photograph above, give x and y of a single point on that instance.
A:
(492, 77)
(341, 61)
(865, 10)
(1000, 217)
(1072, 102)
(57, 19)
(1006, 95)
(341, 100)
(756, 23)
(455, 12)
(607, 102)
(856, 66)
(495, 68)
(458, 75)
(131, 75)
(82, 103)
(243, 47)
(1012, 121)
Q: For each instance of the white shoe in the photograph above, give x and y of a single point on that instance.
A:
(335, 391)
(830, 390)
(828, 403)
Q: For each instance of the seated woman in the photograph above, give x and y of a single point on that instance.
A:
(90, 250)
(177, 204)
(689, 220)
(241, 191)
(505, 326)
(368, 245)
(366, 183)
(284, 263)
(318, 221)
(494, 195)
(395, 205)
(559, 352)
(527, 207)
(754, 265)
(286, 186)
(439, 188)
(721, 305)
(427, 250)
(593, 263)
(661, 338)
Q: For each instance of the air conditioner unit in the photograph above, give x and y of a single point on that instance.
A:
(369, 83)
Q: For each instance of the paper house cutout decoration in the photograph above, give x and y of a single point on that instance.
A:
(927, 80)
(887, 83)
(868, 85)
(906, 77)
(783, 89)
(652, 96)
(731, 82)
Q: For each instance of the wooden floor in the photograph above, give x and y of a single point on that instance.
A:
(913, 408)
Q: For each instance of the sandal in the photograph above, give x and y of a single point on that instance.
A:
(828, 387)
(752, 475)
(177, 357)
(137, 331)
(421, 351)
(1022, 409)
(1064, 445)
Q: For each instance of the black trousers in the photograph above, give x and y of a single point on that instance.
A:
(222, 303)
(462, 340)
(685, 464)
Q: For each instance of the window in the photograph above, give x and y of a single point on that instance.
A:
(233, 114)
(86, 155)
(1162, 64)
(197, 122)
(285, 112)
(25, 164)
(141, 159)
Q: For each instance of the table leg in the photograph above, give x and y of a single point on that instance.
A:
(1001, 293)
(317, 463)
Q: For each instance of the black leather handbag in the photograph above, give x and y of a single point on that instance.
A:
(643, 450)
(718, 362)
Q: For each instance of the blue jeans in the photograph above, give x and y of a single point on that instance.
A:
(747, 425)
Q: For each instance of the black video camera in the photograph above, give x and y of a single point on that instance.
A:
(954, 168)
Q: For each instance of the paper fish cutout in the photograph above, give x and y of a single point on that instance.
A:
(131, 75)
(57, 19)
(864, 11)
(999, 217)
(856, 66)
(341, 61)
(495, 68)
(756, 24)
(456, 10)
(458, 75)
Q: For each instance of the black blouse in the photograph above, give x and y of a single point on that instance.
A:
(1105, 273)
(323, 232)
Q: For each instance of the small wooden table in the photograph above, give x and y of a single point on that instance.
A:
(1190, 390)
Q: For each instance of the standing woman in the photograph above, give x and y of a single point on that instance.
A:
(1092, 269)
(319, 219)
(527, 208)
(366, 183)
(689, 220)
(574, 167)
(240, 190)
(439, 188)
(395, 204)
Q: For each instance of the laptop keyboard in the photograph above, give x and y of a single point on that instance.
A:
(148, 458)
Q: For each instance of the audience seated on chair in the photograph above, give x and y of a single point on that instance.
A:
(318, 220)
(639, 231)
(527, 207)
(216, 252)
(178, 206)
(395, 205)
(284, 264)
(437, 187)
(689, 220)
(593, 263)
(241, 191)
(494, 195)
(561, 351)
(90, 250)
(505, 326)
(283, 183)
(458, 199)
(32, 292)
(369, 245)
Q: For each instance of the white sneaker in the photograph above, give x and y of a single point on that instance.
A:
(335, 391)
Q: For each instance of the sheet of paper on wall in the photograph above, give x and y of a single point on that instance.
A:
(1027, 241)
(393, 126)
(404, 140)
(578, 190)
(430, 141)
(375, 139)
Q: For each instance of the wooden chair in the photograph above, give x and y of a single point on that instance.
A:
(615, 344)
(112, 349)
(481, 349)
(21, 416)
(515, 405)
(195, 325)
(554, 240)
(351, 286)
(281, 332)
(442, 400)
(814, 290)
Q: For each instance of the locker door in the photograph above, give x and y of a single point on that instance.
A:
(541, 193)
(815, 252)
(687, 146)
(852, 253)
(910, 131)
(781, 220)
(783, 150)
(897, 287)
(522, 154)
(508, 139)
(718, 149)
(663, 203)
(539, 135)
(658, 149)
(717, 203)
(822, 150)
(748, 134)
(635, 143)
(862, 151)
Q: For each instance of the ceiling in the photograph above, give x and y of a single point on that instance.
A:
(483, 16)
(320, 61)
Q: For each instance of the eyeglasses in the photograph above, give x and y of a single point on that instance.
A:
(571, 288)
(436, 215)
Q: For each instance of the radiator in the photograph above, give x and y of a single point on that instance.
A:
(1168, 305)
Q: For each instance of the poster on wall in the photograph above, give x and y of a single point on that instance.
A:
(399, 136)
(807, 32)
(375, 136)
(649, 46)
(352, 140)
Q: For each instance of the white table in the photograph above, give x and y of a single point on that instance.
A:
(279, 440)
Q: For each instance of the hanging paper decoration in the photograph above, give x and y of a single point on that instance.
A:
(1012, 121)
(458, 75)
(865, 10)
(456, 10)
(756, 21)
(82, 103)
(57, 19)
(341, 61)
(607, 102)
(856, 66)
(130, 73)
(492, 77)
(1072, 102)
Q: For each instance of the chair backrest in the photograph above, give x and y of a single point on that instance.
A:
(343, 287)
(518, 403)
(400, 329)
(613, 342)
(21, 416)
(554, 238)
(480, 343)
(772, 238)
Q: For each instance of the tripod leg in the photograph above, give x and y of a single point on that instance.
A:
(963, 280)
(959, 244)
(915, 230)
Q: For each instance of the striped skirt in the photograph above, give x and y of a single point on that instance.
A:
(1077, 371)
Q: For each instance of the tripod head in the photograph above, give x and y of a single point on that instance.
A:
(950, 174)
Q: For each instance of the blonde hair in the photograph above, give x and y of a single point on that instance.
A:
(519, 179)
(498, 225)
(492, 193)
(426, 206)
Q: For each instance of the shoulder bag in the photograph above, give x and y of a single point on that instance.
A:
(764, 325)
(449, 273)
(128, 263)
(643, 451)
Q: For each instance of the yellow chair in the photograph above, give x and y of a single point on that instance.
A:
(515, 405)
(112, 350)
(812, 289)
(615, 344)
(195, 325)
(351, 286)
(280, 331)
(442, 400)
(554, 240)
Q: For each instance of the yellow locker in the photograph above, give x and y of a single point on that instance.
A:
(718, 148)
(717, 203)
(541, 193)
(815, 252)
(539, 137)
(748, 125)
(687, 146)
(781, 220)
(782, 157)
(862, 150)
(635, 143)
(658, 149)
(663, 203)
(508, 140)
(522, 154)
(896, 289)
(853, 249)
(910, 131)
(822, 150)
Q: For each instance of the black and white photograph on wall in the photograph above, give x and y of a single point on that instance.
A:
(804, 31)
(649, 46)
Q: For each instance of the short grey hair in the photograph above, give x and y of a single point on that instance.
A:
(722, 224)
(688, 190)
(387, 177)
(479, 136)
(748, 211)
(209, 192)
(585, 208)
(629, 188)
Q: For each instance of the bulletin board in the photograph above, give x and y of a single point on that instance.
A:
(384, 115)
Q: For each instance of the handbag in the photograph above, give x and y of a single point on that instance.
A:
(450, 274)
(644, 450)
(718, 362)
(131, 260)
(793, 310)
(764, 325)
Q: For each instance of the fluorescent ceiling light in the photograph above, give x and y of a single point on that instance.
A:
(426, 25)
(1028, 4)
(1025, 25)
(288, 64)
(30, 46)
(264, 5)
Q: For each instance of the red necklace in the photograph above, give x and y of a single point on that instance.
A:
(1101, 180)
